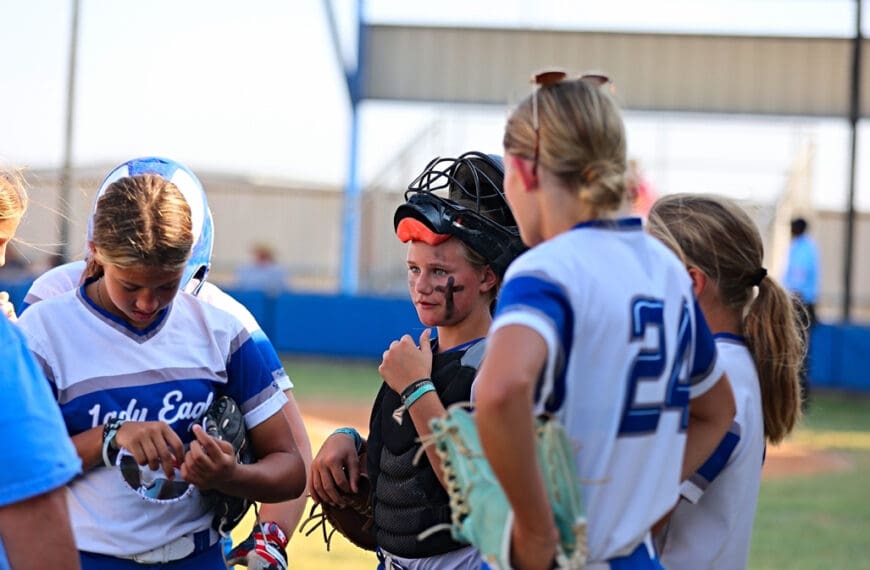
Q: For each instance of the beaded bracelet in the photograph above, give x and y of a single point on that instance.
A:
(423, 388)
(357, 438)
(412, 387)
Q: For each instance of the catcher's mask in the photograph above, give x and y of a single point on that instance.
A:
(191, 188)
(475, 211)
(152, 485)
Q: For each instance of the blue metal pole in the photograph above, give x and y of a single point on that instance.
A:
(352, 198)
(351, 212)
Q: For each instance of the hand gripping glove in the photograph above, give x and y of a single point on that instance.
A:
(264, 549)
(224, 420)
(354, 521)
(480, 512)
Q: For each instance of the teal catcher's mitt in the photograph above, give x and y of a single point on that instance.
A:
(480, 512)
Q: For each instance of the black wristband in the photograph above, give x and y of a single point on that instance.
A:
(410, 388)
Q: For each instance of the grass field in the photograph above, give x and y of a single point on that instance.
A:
(803, 522)
(820, 521)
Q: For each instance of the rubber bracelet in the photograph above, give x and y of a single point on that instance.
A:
(357, 438)
(412, 387)
(110, 430)
(416, 394)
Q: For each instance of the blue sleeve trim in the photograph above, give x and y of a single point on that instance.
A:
(717, 462)
(534, 294)
(249, 376)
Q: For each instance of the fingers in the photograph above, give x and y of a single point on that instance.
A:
(198, 466)
(316, 485)
(213, 446)
(335, 470)
(337, 484)
(208, 461)
(7, 308)
(324, 487)
(152, 443)
(155, 459)
(170, 449)
(425, 345)
(352, 471)
(176, 447)
(203, 465)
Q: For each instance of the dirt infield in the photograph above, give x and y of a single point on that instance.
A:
(789, 459)
(337, 413)
(792, 459)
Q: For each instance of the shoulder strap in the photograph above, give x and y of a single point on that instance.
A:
(474, 355)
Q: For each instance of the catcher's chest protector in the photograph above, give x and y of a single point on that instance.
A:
(409, 499)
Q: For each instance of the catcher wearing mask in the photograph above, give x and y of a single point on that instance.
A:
(459, 246)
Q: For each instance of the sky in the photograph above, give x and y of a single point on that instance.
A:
(257, 89)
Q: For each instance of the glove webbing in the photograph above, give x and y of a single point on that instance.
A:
(318, 520)
(458, 500)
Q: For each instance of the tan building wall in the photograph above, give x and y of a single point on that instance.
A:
(303, 224)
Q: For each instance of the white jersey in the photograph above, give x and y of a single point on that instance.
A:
(627, 348)
(712, 524)
(67, 277)
(100, 368)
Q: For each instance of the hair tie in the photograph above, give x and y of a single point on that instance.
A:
(759, 276)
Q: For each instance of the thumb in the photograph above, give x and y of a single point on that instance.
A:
(425, 345)
(4, 297)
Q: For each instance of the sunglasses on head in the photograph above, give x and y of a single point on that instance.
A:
(548, 78)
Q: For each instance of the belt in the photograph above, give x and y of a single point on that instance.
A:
(181, 547)
(387, 562)
(642, 555)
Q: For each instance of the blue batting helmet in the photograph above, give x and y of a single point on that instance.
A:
(192, 190)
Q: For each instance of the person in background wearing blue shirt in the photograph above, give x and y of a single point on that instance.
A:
(802, 273)
(262, 273)
(802, 280)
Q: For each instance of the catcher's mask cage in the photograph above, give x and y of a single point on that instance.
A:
(203, 227)
(486, 224)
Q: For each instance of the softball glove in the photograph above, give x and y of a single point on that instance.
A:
(224, 420)
(480, 512)
(355, 521)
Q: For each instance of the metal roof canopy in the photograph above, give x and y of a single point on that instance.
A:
(659, 72)
(758, 75)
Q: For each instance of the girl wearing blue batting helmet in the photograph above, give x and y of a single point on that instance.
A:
(268, 541)
(136, 404)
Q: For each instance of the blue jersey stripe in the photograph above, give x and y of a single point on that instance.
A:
(533, 292)
(248, 368)
(717, 462)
